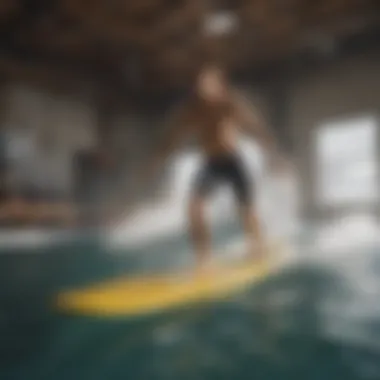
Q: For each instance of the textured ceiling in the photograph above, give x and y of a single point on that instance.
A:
(150, 43)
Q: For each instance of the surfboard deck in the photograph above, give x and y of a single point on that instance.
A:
(132, 296)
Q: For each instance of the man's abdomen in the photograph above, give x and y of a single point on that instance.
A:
(219, 142)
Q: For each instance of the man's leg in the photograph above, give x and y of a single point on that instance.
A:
(199, 232)
(244, 192)
(253, 231)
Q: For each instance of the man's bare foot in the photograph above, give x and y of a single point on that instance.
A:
(257, 253)
(203, 267)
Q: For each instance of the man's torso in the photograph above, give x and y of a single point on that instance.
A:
(215, 129)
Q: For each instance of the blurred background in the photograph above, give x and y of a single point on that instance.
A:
(85, 88)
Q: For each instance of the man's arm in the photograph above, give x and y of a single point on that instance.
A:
(177, 128)
(252, 120)
(254, 123)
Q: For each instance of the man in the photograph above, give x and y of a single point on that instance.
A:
(214, 116)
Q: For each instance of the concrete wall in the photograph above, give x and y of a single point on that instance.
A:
(28, 113)
(340, 90)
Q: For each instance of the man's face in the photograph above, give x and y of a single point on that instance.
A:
(210, 84)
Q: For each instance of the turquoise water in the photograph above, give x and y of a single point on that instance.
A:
(277, 330)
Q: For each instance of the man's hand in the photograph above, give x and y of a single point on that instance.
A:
(280, 165)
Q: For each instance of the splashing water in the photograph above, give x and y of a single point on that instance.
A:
(168, 216)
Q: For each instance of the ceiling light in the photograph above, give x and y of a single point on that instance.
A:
(220, 23)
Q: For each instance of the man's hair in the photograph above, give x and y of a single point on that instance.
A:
(215, 65)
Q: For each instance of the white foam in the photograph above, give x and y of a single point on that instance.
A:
(170, 216)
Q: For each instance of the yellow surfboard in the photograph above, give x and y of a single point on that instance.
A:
(132, 296)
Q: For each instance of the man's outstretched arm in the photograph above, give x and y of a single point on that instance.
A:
(252, 120)
(176, 129)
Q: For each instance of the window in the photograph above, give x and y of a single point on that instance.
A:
(346, 162)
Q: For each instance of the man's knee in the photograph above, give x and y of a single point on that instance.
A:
(243, 192)
(196, 206)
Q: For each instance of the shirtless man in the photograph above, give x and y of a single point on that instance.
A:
(214, 116)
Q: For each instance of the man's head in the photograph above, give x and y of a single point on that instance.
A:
(211, 84)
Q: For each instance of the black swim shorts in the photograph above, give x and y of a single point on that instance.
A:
(227, 170)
